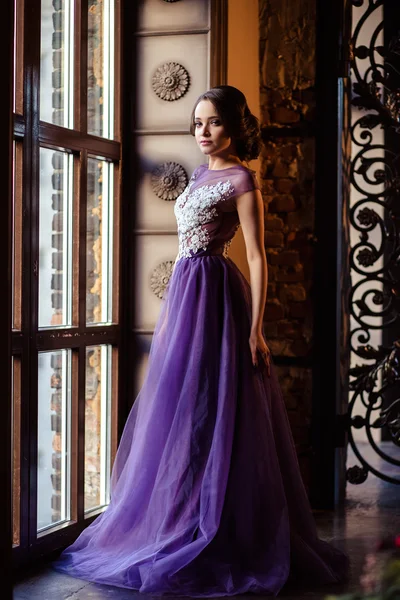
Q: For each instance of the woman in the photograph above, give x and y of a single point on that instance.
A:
(207, 497)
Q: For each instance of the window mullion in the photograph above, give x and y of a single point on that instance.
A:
(82, 239)
(79, 500)
(30, 272)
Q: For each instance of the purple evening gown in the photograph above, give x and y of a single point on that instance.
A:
(206, 493)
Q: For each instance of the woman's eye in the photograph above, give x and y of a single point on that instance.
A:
(212, 123)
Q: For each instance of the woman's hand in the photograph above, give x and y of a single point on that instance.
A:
(258, 344)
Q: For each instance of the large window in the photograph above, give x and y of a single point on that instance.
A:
(66, 231)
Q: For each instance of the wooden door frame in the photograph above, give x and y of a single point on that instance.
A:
(330, 357)
(7, 53)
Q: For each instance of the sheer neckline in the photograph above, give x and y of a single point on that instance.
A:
(227, 168)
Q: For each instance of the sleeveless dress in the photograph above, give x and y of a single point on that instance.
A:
(206, 493)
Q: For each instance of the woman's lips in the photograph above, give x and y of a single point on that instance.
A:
(205, 143)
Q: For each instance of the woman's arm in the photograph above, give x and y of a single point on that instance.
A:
(251, 215)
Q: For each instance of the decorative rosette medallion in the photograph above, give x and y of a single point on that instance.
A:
(170, 81)
(168, 180)
(160, 277)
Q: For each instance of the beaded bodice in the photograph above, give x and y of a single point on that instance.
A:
(206, 212)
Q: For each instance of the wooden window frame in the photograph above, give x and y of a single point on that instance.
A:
(28, 340)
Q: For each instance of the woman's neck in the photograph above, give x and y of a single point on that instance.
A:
(217, 163)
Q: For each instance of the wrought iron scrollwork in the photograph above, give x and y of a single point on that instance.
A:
(374, 298)
(370, 383)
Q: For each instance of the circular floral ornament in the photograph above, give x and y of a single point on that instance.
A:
(366, 257)
(367, 216)
(170, 81)
(160, 277)
(168, 180)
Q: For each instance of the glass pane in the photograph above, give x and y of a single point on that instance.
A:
(56, 62)
(97, 426)
(55, 238)
(16, 273)
(54, 438)
(99, 241)
(16, 449)
(101, 68)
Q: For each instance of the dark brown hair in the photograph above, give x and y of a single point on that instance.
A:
(241, 125)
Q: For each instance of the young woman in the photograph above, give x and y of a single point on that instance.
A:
(207, 497)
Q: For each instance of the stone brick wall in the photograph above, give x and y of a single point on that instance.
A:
(57, 206)
(56, 427)
(93, 418)
(95, 67)
(287, 75)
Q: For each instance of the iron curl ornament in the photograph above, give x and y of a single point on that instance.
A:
(374, 296)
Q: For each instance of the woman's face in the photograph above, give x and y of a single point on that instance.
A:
(210, 133)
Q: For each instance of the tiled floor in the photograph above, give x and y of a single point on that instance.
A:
(372, 511)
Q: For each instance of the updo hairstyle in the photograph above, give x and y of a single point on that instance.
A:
(241, 125)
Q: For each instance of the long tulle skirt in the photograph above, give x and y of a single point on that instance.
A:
(206, 493)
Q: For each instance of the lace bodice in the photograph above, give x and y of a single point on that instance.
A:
(206, 212)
